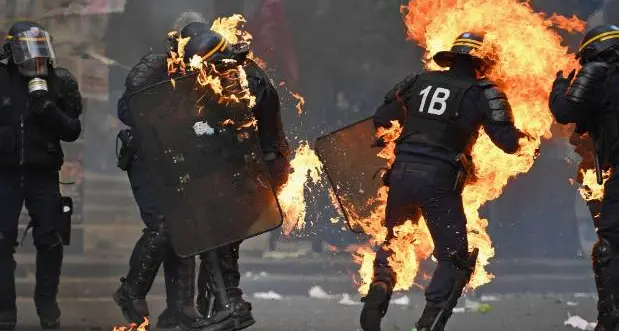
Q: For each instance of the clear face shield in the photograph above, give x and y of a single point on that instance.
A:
(32, 50)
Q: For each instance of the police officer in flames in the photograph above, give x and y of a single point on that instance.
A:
(40, 106)
(441, 113)
(591, 101)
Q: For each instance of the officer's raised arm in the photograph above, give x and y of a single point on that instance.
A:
(394, 106)
(499, 120)
(567, 101)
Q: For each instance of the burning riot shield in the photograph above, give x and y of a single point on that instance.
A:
(351, 164)
(211, 181)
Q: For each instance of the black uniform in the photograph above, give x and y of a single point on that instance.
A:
(592, 102)
(31, 129)
(441, 113)
(219, 276)
(153, 248)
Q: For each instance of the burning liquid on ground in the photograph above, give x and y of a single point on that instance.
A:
(528, 53)
(134, 327)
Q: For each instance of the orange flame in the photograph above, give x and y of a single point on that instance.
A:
(590, 189)
(300, 103)
(306, 167)
(134, 327)
(229, 85)
(527, 53)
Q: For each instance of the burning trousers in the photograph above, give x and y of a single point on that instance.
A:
(606, 255)
(41, 194)
(426, 187)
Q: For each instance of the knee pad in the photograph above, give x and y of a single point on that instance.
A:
(602, 253)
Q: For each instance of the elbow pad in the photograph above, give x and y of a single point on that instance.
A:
(587, 79)
(500, 108)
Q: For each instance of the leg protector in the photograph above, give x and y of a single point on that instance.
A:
(376, 303)
(436, 315)
(8, 309)
(608, 307)
(167, 318)
(147, 256)
(228, 310)
(187, 315)
(48, 268)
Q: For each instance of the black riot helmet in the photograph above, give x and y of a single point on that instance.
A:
(463, 46)
(600, 44)
(29, 46)
(190, 30)
(210, 46)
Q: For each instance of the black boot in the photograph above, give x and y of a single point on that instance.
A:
(146, 258)
(376, 302)
(167, 318)
(608, 303)
(187, 315)
(434, 317)
(48, 269)
(8, 309)
(230, 311)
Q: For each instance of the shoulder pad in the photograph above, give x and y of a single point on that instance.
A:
(500, 109)
(142, 73)
(69, 92)
(401, 87)
(589, 76)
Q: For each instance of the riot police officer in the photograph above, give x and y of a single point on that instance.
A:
(591, 101)
(153, 248)
(219, 295)
(441, 113)
(40, 106)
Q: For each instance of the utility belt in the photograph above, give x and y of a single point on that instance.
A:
(463, 162)
(128, 149)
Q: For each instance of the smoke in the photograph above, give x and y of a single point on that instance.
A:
(186, 18)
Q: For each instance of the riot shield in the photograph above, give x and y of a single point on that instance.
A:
(206, 164)
(351, 164)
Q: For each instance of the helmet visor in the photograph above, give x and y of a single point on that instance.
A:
(32, 44)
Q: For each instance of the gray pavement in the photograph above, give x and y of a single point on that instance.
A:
(297, 313)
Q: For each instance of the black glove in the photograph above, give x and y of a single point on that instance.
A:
(563, 82)
(42, 105)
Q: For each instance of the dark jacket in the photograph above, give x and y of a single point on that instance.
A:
(598, 110)
(475, 111)
(152, 69)
(29, 140)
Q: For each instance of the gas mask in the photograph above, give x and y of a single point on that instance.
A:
(32, 53)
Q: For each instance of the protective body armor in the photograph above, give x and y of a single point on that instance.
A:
(432, 111)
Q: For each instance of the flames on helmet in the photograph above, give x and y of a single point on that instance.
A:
(528, 52)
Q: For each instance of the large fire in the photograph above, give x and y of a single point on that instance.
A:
(528, 53)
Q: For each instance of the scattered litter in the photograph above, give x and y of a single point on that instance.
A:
(488, 298)
(403, 301)
(571, 303)
(484, 308)
(471, 305)
(458, 310)
(584, 295)
(346, 300)
(318, 293)
(263, 274)
(267, 295)
(579, 323)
